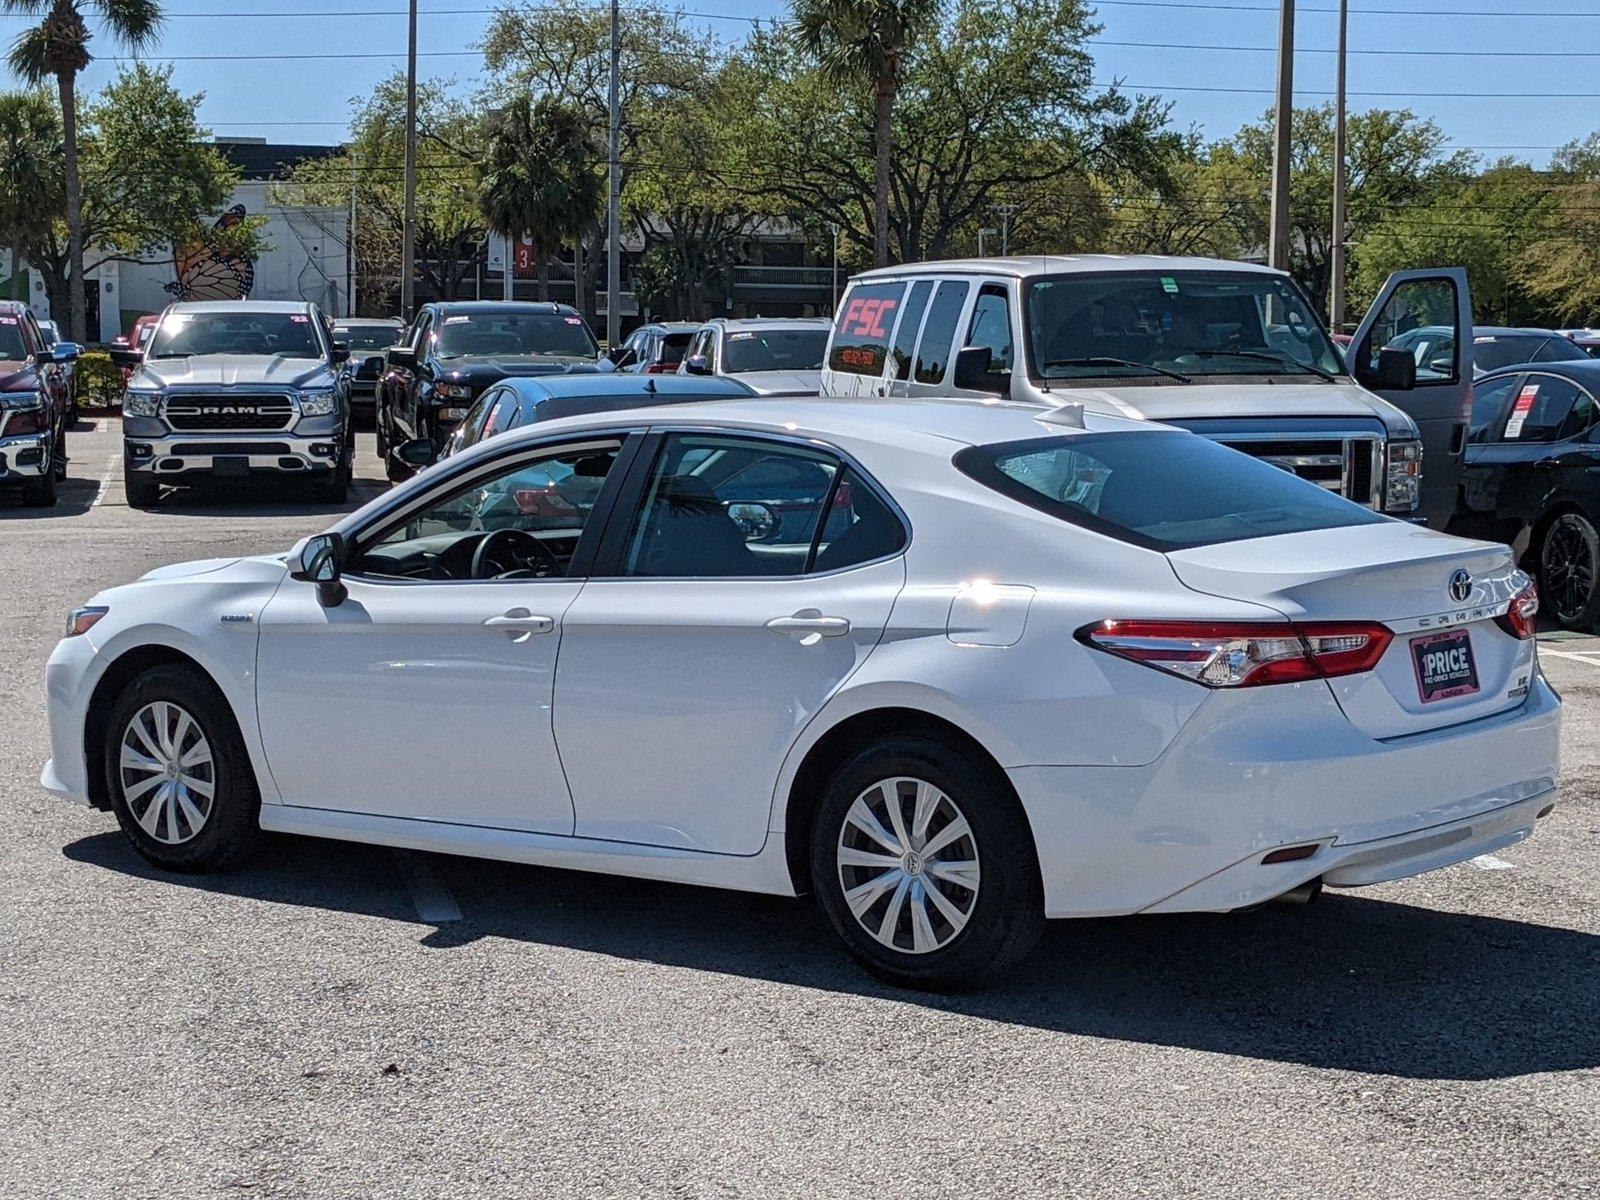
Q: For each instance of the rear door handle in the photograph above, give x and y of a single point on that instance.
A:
(520, 620)
(810, 623)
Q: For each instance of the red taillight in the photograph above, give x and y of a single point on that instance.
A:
(1244, 653)
(661, 368)
(1521, 620)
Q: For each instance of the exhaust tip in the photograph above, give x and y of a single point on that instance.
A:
(1304, 894)
(1545, 812)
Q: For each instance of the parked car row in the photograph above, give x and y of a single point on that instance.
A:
(36, 405)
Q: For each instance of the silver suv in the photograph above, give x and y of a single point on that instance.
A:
(240, 387)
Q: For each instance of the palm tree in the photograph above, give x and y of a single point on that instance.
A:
(867, 40)
(541, 179)
(30, 175)
(58, 49)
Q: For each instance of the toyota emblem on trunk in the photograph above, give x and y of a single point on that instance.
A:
(1460, 586)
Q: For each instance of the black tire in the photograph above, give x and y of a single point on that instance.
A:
(231, 829)
(142, 491)
(380, 434)
(335, 488)
(1006, 913)
(43, 492)
(1569, 571)
(61, 458)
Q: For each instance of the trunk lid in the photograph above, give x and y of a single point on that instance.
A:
(1399, 575)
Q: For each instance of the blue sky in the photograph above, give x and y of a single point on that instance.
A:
(1533, 61)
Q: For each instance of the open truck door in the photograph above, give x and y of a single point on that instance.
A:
(1439, 398)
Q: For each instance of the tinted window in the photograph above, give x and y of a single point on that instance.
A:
(1141, 488)
(265, 333)
(367, 337)
(1489, 400)
(490, 333)
(1547, 408)
(861, 330)
(991, 327)
(905, 337)
(722, 506)
(669, 351)
(1433, 348)
(860, 527)
(773, 350)
(939, 331)
(1493, 350)
(1558, 349)
(11, 345)
(1419, 317)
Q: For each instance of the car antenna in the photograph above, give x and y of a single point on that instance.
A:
(650, 386)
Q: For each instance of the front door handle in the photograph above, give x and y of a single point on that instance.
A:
(520, 620)
(809, 623)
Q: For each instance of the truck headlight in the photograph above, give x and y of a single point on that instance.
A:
(453, 391)
(29, 409)
(318, 402)
(1402, 483)
(141, 404)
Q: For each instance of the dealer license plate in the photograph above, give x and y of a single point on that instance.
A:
(1445, 665)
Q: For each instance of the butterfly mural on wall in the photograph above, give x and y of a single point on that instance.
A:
(206, 271)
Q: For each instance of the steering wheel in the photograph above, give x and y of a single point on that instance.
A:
(512, 542)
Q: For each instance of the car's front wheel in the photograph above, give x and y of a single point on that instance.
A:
(1569, 571)
(924, 864)
(43, 492)
(178, 772)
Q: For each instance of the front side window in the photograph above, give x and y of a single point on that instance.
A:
(991, 327)
(936, 350)
(1489, 401)
(773, 350)
(183, 334)
(861, 329)
(724, 507)
(12, 348)
(486, 334)
(1163, 491)
(1144, 324)
(523, 522)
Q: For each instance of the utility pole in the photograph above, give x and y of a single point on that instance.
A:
(834, 264)
(1005, 213)
(350, 246)
(508, 259)
(1336, 290)
(408, 237)
(614, 189)
(1283, 117)
(983, 232)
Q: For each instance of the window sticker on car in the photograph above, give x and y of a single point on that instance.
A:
(569, 320)
(1521, 409)
(456, 320)
(867, 317)
(1483, 340)
(298, 318)
(1169, 285)
(740, 337)
(8, 320)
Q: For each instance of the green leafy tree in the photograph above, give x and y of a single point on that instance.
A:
(1202, 207)
(31, 187)
(1561, 267)
(58, 49)
(868, 42)
(540, 178)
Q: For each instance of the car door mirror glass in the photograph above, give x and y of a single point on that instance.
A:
(418, 453)
(756, 521)
(697, 364)
(66, 351)
(403, 357)
(340, 352)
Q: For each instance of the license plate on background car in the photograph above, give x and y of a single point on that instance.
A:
(1444, 664)
(452, 414)
(230, 464)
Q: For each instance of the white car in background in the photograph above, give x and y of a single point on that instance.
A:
(775, 356)
(954, 668)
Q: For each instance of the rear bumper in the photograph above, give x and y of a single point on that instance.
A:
(1266, 768)
(23, 458)
(262, 453)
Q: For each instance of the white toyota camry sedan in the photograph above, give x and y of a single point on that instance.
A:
(954, 668)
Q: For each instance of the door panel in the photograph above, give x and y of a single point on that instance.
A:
(1441, 403)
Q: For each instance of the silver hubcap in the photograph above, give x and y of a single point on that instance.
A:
(169, 778)
(908, 863)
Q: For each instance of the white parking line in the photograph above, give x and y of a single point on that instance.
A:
(1583, 656)
(434, 903)
(1488, 862)
(106, 477)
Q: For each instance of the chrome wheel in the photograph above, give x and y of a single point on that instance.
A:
(1568, 568)
(168, 774)
(908, 864)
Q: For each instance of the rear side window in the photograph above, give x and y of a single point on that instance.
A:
(1162, 491)
(1489, 400)
(905, 337)
(1547, 408)
(939, 332)
(861, 330)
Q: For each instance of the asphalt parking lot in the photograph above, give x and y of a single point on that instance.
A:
(337, 1020)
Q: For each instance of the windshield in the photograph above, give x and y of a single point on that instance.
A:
(288, 334)
(774, 350)
(1151, 324)
(367, 337)
(491, 333)
(11, 347)
(1142, 490)
(1492, 351)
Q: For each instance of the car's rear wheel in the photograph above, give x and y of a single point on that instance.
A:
(1569, 571)
(924, 864)
(178, 773)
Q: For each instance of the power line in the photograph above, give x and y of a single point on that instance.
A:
(1363, 12)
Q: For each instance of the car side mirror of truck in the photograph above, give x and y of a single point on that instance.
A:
(319, 561)
(1396, 372)
(697, 364)
(340, 352)
(403, 357)
(973, 374)
(126, 357)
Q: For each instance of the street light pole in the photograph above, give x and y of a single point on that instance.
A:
(1336, 290)
(1005, 212)
(614, 189)
(1283, 117)
(408, 237)
(833, 267)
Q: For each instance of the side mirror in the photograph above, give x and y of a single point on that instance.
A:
(318, 562)
(697, 364)
(126, 356)
(973, 374)
(418, 453)
(1397, 370)
(756, 521)
(340, 352)
(66, 352)
(403, 357)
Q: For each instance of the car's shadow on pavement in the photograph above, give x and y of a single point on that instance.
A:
(248, 497)
(74, 497)
(1349, 983)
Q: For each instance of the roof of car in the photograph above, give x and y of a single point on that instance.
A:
(1505, 330)
(386, 322)
(672, 326)
(1580, 370)
(753, 324)
(1033, 265)
(621, 383)
(504, 306)
(234, 306)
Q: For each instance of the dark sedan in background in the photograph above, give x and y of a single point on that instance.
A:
(1532, 478)
(1493, 346)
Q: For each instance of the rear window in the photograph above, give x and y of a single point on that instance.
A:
(861, 330)
(1491, 351)
(1162, 491)
(774, 350)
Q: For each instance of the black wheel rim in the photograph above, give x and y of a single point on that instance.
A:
(1568, 569)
